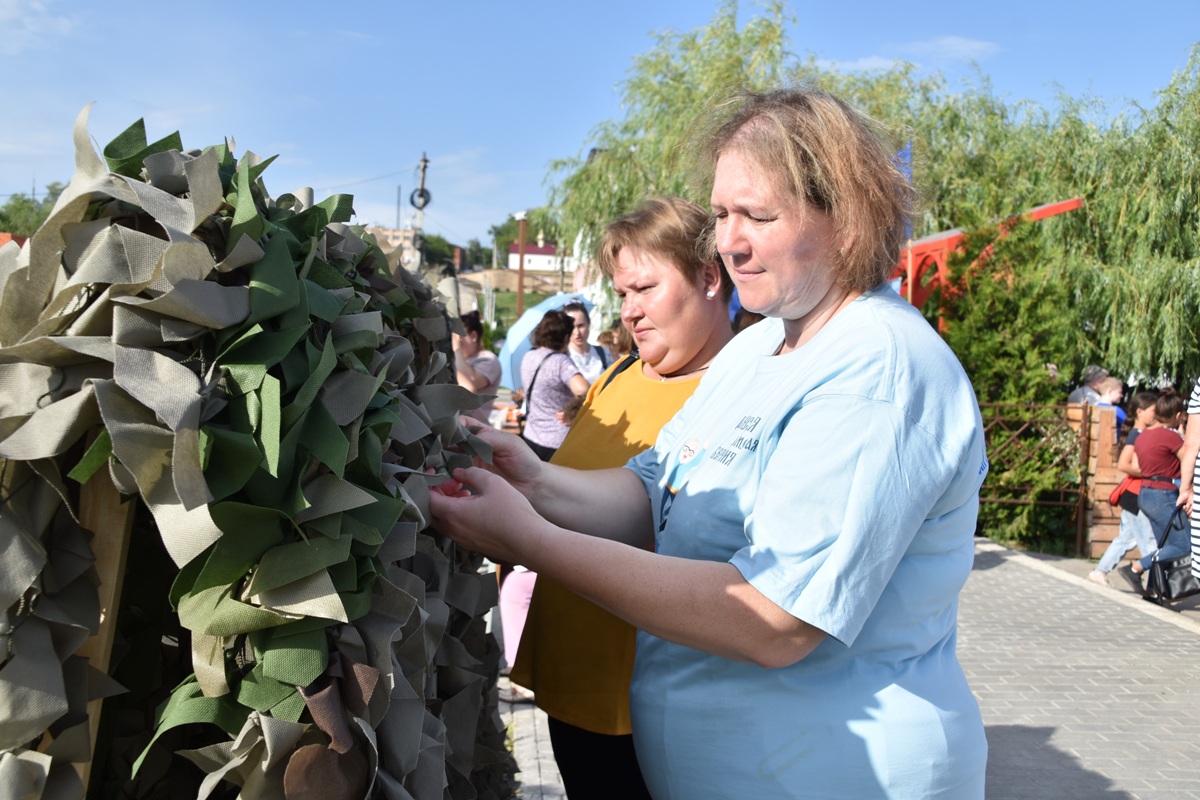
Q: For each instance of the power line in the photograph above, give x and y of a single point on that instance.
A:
(364, 180)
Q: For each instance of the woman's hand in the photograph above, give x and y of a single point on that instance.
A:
(1185, 497)
(511, 457)
(482, 512)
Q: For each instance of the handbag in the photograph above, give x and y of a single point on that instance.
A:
(1130, 485)
(1171, 579)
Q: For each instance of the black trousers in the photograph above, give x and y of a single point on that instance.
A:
(596, 766)
(543, 452)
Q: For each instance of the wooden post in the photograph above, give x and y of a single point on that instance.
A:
(110, 520)
(521, 266)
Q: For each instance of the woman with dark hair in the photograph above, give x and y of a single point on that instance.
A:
(1135, 530)
(793, 546)
(589, 358)
(1159, 449)
(550, 379)
(476, 367)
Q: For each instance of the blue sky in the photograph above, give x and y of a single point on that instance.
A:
(350, 94)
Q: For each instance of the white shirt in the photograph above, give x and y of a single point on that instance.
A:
(589, 364)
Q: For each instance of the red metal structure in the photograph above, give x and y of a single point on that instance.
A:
(932, 253)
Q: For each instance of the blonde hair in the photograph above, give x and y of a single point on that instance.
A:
(828, 155)
(669, 227)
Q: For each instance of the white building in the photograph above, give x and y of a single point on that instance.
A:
(541, 258)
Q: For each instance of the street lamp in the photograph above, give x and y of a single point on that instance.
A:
(520, 217)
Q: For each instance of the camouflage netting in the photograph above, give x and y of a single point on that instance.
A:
(271, 403)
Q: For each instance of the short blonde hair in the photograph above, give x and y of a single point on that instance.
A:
(828, 155)
(669, 227)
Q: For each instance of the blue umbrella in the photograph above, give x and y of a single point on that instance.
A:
(517, 344)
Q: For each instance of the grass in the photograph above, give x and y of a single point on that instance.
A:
(506, 309)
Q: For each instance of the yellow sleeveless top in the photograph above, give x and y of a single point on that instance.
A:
(576, 657)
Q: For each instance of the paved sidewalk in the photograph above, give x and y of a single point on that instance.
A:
(539, 776)
(1087, 692)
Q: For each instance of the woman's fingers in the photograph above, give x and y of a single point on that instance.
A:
(487, 515)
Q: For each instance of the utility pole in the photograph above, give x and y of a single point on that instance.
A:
(419, 199)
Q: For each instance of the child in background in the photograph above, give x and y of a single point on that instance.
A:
(1112, 391)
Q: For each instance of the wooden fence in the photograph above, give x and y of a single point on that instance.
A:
(1076, 448)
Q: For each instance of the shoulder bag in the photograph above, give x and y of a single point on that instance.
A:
(1126, 494)
(1171, 579)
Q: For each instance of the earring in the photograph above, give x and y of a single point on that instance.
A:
(710, 294)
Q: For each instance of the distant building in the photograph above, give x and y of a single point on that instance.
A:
(391, 239)
(541, 258)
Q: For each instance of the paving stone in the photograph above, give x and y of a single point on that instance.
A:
(1074, 681)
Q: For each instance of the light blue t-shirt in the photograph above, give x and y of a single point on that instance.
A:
(842, 480)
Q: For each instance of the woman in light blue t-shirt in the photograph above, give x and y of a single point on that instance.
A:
(793, 546)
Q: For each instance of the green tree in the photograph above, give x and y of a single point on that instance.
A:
(438, 250)
(1122, 275)
(22, 215)
(1116, 282)
(543, 220)
(643, 153)
(476, 257)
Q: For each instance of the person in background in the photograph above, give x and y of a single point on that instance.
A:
(550, 379)
(1159, 448)
(590, 359)
(1135, 528)
(551, 382)
(797, 609)
(1190, 463)
(575, 656)
(618, 340)
(476, 367)
(1089, 392)
(1112, 392)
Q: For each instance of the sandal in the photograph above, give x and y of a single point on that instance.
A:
(515, 694)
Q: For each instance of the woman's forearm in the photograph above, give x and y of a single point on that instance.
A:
(609, 503)
(706, 605)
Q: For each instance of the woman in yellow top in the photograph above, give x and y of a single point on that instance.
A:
(576, 657)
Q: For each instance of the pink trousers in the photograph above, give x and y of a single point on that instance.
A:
(515, 592)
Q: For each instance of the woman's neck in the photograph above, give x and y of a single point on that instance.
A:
(798, 332)
(719, 335)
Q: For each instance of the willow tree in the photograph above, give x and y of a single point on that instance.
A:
(642, 153)
(1123, 271)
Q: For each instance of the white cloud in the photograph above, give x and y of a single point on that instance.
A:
(938, 52)
(31, 25)
(360, 36)
(867, 64)
(945, 49)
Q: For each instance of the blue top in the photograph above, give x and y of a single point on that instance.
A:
(842, 480)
